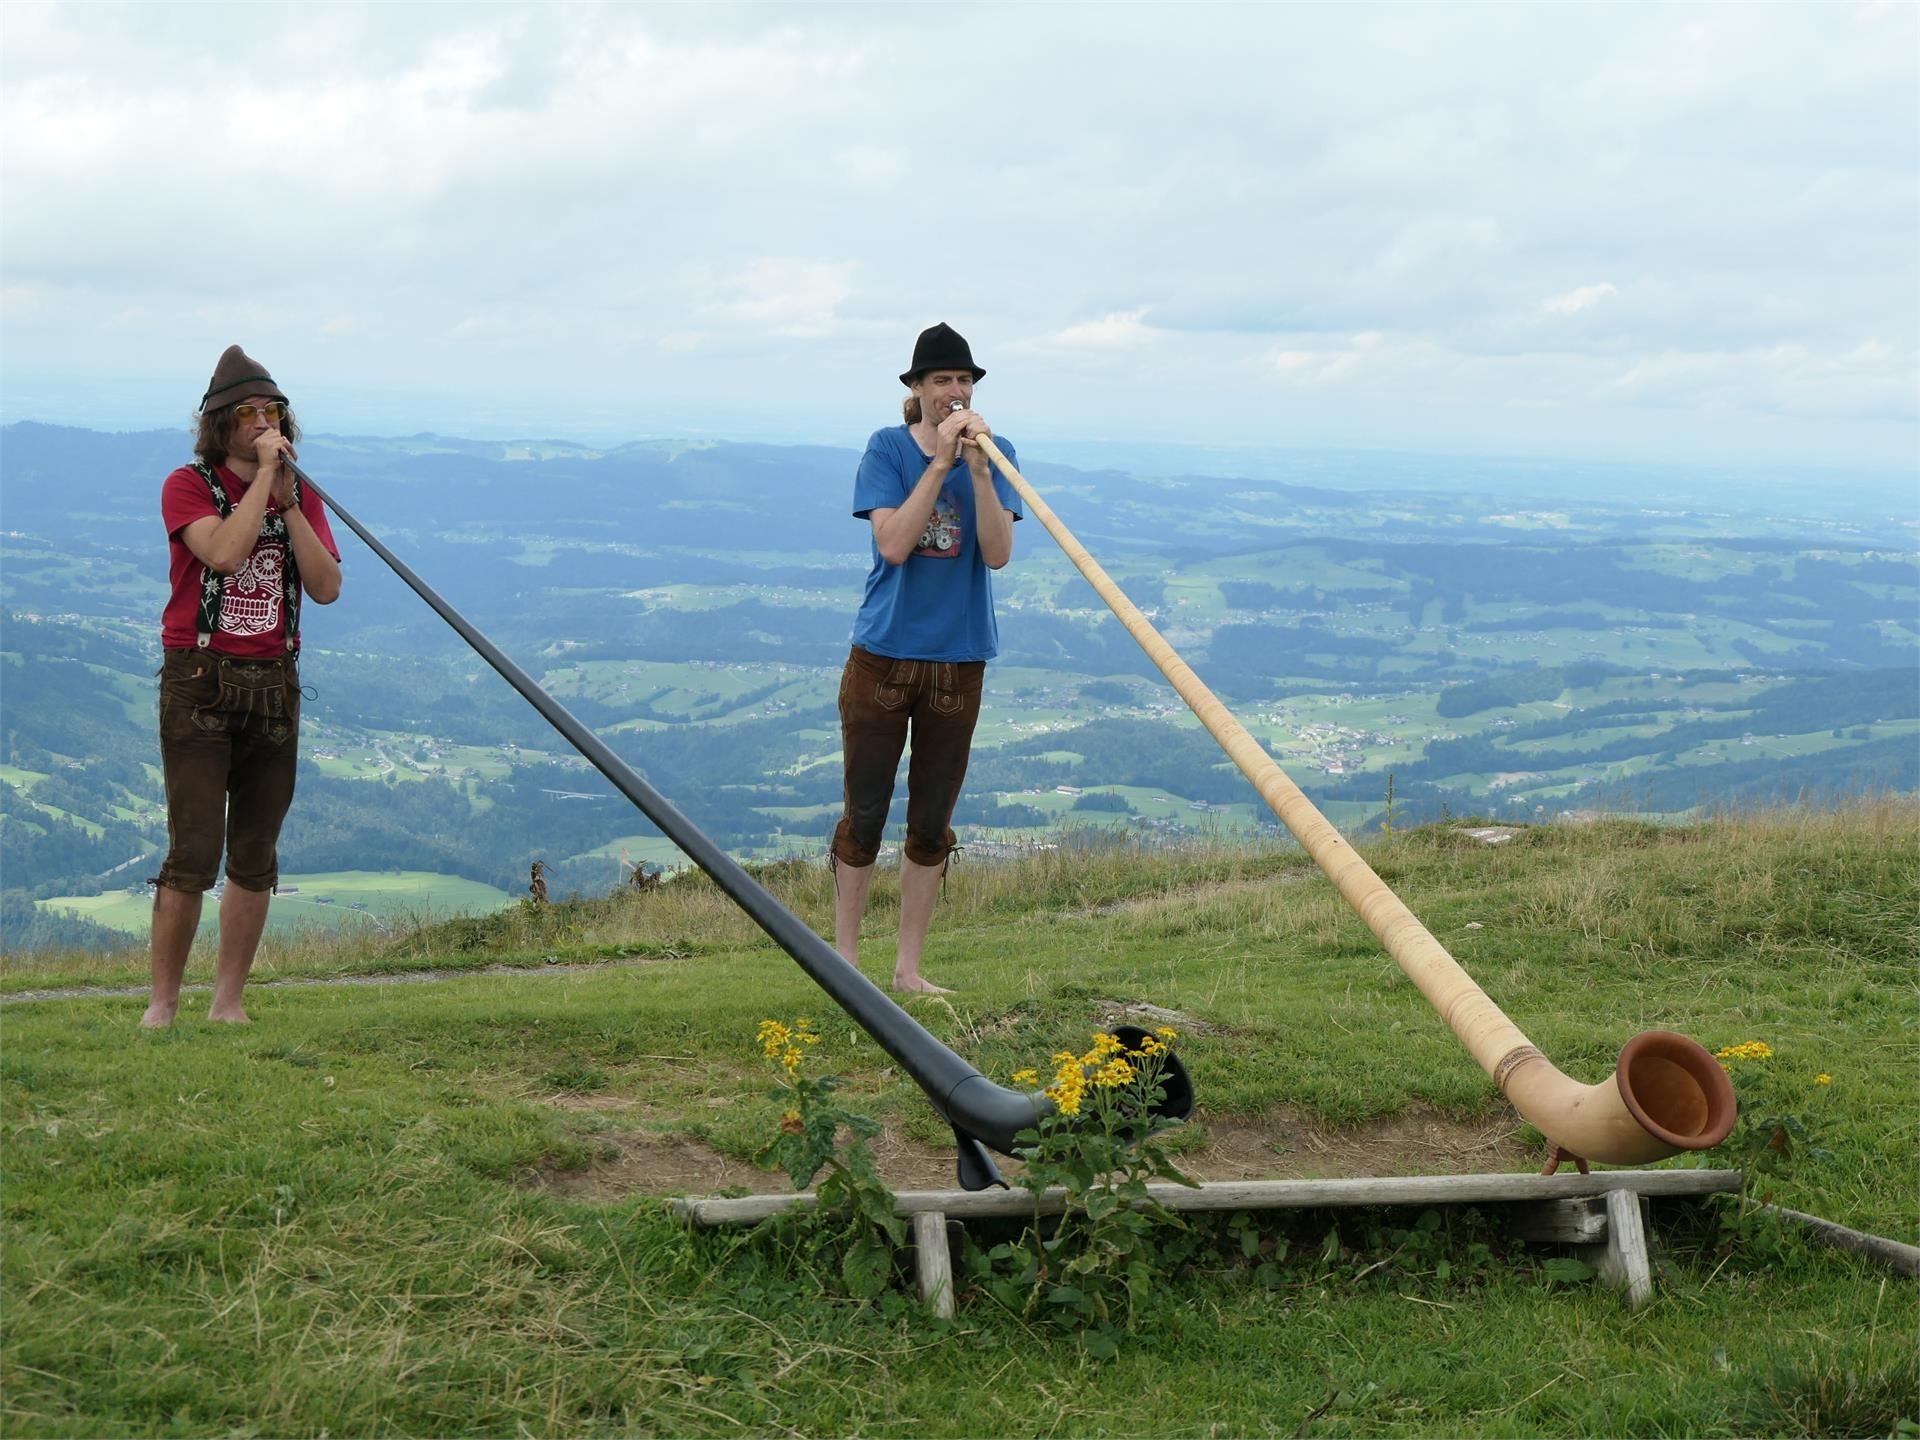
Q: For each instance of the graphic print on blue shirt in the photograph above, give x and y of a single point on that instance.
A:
(941, 538)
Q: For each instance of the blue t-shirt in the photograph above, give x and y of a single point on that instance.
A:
(939, 604)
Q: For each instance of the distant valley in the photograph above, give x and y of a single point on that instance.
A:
(1469, 650)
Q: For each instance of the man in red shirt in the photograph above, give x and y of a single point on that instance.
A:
(244, 546)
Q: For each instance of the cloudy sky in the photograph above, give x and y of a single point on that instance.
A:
(1649, 231)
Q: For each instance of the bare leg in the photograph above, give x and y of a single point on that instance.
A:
(919, 888)
(243, 916)
(850, 886)
(176, 918)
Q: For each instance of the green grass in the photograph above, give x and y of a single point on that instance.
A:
(365, 899)
(337, 1219)
(90, 827)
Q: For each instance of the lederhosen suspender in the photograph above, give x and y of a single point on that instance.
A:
(212, 584)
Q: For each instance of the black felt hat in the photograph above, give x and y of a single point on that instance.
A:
(940, 347)
(237, 376)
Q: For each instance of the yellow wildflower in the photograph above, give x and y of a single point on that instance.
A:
(1746, 1050)
(1103, 1046)
(1026, 1077)
(1112, 1075)
(773, 1037)
(1166, 1032)
(1069, 1086)
(790, 1061)
(1067, 1092)
(1823, 1079)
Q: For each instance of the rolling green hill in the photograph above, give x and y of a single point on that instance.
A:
(1474, 651)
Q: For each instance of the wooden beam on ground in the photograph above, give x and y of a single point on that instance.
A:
(1231, 1195)
(1897, 1254)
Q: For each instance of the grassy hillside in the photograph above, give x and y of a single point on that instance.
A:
(370, 900)
(432, 1208)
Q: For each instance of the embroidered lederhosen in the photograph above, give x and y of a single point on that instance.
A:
(212, 586)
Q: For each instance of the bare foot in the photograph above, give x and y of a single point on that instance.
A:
(915, 985)
(158, 1016)
(235, 1016)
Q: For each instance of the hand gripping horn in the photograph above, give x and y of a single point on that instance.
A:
(1667, 1094)
(981, 1113)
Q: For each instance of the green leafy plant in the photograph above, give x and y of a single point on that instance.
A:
(1771, 1142)
(1087, 1262)
(854, 1217)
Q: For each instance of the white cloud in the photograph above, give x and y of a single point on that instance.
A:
(872, 164)
(1324, 364)
(1215, 205)
(1572, 302)
(1119, 330)
(787, 297)
(1440, 242)
(1871, 378)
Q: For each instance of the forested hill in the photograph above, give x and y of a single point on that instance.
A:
(1466, 650)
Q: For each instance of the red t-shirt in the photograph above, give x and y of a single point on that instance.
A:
(252, 603)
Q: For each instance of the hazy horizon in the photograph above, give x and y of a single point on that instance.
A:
(1860, 494)
(532, 425)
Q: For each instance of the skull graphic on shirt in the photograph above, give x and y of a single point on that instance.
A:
(251, 605)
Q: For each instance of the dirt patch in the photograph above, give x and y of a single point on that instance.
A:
(1287, 1145)
(657, 1165)
(1150, 1017)
(1281, 1145)
(649, 1164)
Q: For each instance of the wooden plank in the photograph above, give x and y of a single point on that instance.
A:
(1623, 1262)
(1561, 1222)
(1257, 1194)
(933, 1262)
(1897, 1254)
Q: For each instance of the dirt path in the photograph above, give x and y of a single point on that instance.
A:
(1282, 1144)
(398, 977)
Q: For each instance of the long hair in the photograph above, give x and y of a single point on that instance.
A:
(214, 431)
(910, 407)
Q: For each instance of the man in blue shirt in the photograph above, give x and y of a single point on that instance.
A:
(941, 520)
